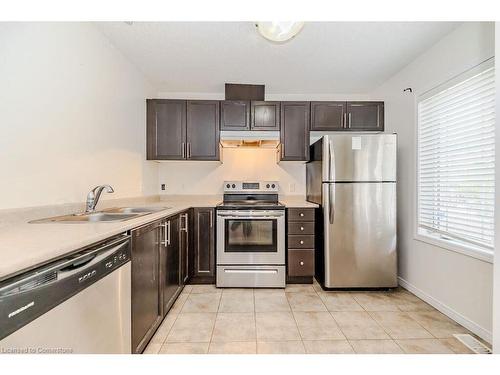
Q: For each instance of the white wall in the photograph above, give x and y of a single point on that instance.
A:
(458, 285)
(72, 115)
(496, 284)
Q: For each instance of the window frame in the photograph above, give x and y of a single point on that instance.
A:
(421, 234)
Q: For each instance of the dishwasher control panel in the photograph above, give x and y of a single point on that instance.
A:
(116, 260)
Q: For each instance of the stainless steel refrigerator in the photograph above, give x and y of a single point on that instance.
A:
(353, 178)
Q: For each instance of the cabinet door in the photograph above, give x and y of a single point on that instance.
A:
(146, 306)
(170, 262)
(365, 116)
(166, 129)
(184, 244)
(328, 116)
(265, 116)
(203, 269)
(295, 131)
(202, 130)
(234, 115)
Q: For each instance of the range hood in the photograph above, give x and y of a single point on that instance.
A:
(256, 139)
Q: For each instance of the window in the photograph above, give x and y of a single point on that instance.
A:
(456, 161)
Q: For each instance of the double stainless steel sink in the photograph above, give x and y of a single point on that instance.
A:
(108, 215)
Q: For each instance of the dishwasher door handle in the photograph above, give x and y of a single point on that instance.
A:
(94, 259)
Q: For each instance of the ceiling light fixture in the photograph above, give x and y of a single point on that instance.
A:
(279, 31)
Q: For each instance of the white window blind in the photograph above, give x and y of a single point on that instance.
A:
(456, 152)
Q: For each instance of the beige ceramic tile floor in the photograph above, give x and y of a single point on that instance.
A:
(303, 319)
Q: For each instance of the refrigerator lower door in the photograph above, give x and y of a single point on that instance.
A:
(359, 235)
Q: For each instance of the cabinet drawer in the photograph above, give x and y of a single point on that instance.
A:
(300, 228)
(300, 262)
(300, 241)
(301, 214)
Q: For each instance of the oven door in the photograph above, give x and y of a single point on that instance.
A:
(251, 237)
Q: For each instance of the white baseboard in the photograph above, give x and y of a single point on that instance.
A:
(452, 314)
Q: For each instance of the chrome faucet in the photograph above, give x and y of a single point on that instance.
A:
(94, 195)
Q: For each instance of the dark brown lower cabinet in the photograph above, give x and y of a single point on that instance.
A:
(202, 259)
(146, 301)
(170, 262)
(184, 245)
(300, 245)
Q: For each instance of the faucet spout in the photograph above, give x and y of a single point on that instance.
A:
(94, 195)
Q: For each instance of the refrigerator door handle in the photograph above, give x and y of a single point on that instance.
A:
(331, 161)
(331, 203)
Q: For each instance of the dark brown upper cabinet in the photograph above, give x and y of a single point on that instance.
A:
(182, 130)
(345, 116)
(202, 130)
(265, 115)
(328, 116)
(166, 129)
(295, 118)
(235, 115)
(365, 116)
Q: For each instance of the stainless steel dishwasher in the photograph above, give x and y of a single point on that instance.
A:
(79, 304)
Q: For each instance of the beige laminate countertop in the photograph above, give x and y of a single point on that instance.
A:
(296, 202)
(24, 246)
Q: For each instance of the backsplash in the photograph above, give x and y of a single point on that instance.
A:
(206, 178)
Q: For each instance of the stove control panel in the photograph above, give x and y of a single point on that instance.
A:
(251, 187)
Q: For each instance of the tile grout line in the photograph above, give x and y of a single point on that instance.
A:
(164, 342)
(254, 319)
(215, 322)
(296, 325)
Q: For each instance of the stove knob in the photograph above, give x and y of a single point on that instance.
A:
(267, 186)
(273, 186)
(233, 186)
(228, 186)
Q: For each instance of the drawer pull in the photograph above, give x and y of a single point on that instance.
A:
(301, 228)
(301, 214)
(301, 242)
(301, 263)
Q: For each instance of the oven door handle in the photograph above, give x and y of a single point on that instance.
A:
(249, 216)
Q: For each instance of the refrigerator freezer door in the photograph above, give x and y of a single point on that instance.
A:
(359, 235)
(359, 157)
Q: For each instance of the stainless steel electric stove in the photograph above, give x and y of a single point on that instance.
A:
(251, 236)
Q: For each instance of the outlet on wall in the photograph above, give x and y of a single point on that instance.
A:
(291, 188)
(163, 186)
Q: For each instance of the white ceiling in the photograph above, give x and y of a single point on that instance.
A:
(324, 58)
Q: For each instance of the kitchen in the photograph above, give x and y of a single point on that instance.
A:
(154, 207)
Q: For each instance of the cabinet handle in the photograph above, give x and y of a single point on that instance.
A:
(165, 236)
(345, 120)
(211, 219)
(167, 228)
(302, 228)
(349, 120)
(301, 214)
(301, 263)
(184, 228)
(189, 150)
(183, 152)
(301, 242)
